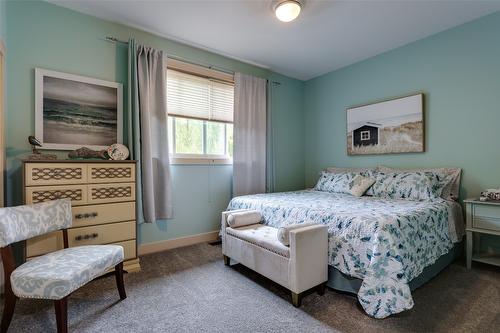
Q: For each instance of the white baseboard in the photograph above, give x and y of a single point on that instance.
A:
(177, 242)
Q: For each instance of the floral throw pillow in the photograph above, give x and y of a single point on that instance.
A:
(360, 184)
(335, 182)
(409, 185)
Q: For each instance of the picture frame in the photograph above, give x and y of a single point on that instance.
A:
(390, 126)
(73, 111)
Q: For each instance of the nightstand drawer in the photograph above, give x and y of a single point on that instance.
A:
(486, 217)
(484, 222)
(486, 211)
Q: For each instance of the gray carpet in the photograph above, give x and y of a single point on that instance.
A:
(190, 290)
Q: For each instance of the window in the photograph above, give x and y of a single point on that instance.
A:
(365, 135)
(200, 109)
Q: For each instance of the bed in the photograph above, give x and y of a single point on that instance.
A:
(379, 248)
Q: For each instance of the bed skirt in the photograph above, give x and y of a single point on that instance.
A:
(341, 282)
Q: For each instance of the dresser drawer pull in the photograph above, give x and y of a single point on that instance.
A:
(86, 237)
(86, 215)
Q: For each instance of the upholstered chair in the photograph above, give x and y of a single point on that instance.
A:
(54, 275)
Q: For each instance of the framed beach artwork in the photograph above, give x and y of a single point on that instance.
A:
(388, 127)
(73, 111)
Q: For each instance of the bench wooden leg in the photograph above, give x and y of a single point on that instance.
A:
(296, 299)
(321, 289)
(61, 308)
(119, 280)
(227, 260)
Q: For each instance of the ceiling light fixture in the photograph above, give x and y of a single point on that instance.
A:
(287, 10)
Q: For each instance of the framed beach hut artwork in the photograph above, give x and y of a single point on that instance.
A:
(73, 111)
(388, 127)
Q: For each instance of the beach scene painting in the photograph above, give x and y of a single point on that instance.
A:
(393, 126)
(74, 111)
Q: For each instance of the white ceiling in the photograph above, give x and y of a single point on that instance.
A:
(327, 35)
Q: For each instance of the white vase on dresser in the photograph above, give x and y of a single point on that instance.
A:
(102, 194)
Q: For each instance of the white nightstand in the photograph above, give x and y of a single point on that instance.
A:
(483, 217)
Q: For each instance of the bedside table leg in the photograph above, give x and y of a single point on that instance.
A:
(469, 248)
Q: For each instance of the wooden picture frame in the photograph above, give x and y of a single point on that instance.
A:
(73, 111)
(390, 126)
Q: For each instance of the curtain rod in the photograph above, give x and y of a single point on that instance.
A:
(112, 39)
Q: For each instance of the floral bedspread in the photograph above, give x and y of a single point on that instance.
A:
(384, 242)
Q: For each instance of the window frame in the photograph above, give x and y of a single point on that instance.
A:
(367, 135)
(189, 159)
(205, 158)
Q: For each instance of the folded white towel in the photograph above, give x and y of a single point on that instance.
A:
(243, 218)
(284, 232)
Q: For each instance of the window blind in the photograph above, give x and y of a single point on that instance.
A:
(192, 96)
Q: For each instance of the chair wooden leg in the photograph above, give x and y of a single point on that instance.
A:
(227, 260)
(61, 308)
(321, 289)
(119, 280)
(296, 299)
(8, 308)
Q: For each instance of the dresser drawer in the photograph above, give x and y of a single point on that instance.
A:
(114, 173)
(105, 213)
(104, 193)
(44, 244)
(102, 234)
(128, 249)
(55, 173)
(53, 242)
(77, 194)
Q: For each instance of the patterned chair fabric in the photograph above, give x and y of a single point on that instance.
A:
(24, 222)
(58, 274)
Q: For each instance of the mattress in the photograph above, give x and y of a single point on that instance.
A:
(384, 242)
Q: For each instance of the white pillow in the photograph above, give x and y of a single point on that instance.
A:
(360, 184)
(284, 232)
(243, 218)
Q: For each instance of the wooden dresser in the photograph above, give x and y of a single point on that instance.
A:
(102, 194)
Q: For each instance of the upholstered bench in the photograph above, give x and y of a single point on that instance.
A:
(297, 258)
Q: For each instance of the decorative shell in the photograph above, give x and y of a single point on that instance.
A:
(118, 152)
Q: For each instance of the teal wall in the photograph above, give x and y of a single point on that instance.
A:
(3, 20)
(288, 129)
(459, 72)
(70, 42)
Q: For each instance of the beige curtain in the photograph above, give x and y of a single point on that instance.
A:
(155, 166)
(249, 155)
